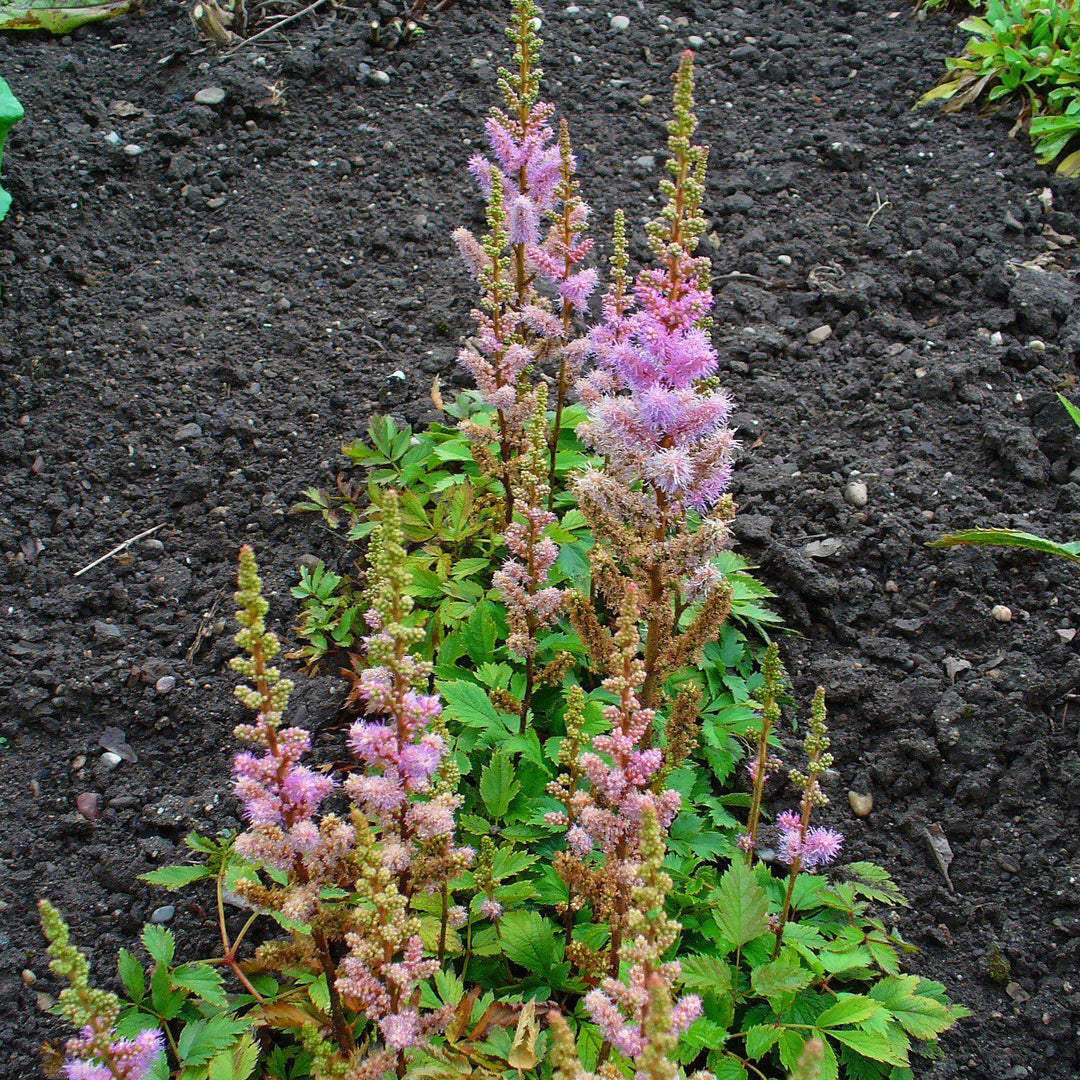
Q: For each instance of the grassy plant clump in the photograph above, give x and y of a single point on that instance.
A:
(547, 848)
(1024, 53)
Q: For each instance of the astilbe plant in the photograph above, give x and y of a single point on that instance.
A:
(97, 1052)
(578, 786)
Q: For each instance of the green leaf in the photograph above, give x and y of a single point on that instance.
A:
(727, 1068)
(236, 1062)
(131, 975)
(921, 1017)
(871, 1044)
(848, 1009)
(159, 943)
(740, 906)
(761, 1038)
(166, 1001)
(782, 976)
(497, 786)
(469, 703)
(1071, 409)
(202, 1039)
(203, 981)
(176, 877)
(529, 939)
(58, 18)
(478, 635)
(1008, 538)
(706, 974)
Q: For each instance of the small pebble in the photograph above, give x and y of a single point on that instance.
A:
(28, 977)
(163, 914)
(891, 586)
(997, 338)
(378, 78)
(784, 260)
(695, 42)
(132, 150)
(1035, 345)
(153, 546)
(822, 333)
(87, 805)
(1000, 613)
(209, 95)
(165, 684)
(110, 760)
(1066, 633)
(861, 805)
(619, 22)
(573, 9)
(856, 494)
(646, 162)
(78, 762)
(187, 431)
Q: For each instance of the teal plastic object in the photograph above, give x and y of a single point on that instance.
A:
(10, 112)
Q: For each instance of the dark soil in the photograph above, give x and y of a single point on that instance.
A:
(274, 274)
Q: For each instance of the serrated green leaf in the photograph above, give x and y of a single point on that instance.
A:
(497, 786)
(727, 1068)
(706, 974)
(166, 1001)
(159, 943)
(783, 975)
(530, 940)
(921, 1017)
(761, 1038)
(202, 1039)
(236, 1062)
(176, 877)
(871, 1044)
(740, 906)
(848, 1009)
(203, 981)
(131, 975)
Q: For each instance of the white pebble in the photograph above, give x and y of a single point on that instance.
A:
(209, 95)
(997, 338)
(695, 42)
(110, 760)
(784, 260)
(619, 22)
(1035, 345)
(856, 494)
(822, 333)
(132, 150)
(1000, 613)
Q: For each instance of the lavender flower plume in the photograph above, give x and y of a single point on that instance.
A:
(97, 1052)
(280, 797)
(401, 742)
(623, 1008)
(653, 411)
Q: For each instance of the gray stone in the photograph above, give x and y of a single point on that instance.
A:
(817, 336)
(695, 42)
(209, 95)
(188, 432)
(163, 914)
(619, 22)
(378, 78)
(106, 632)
